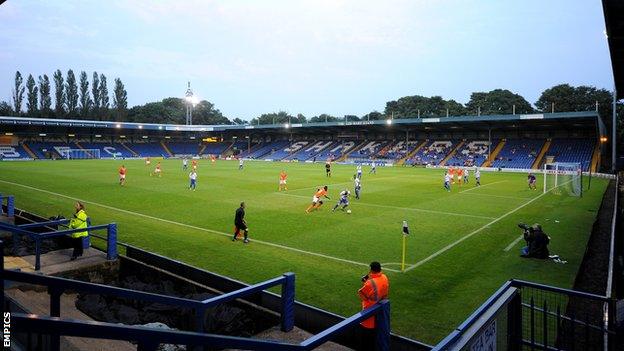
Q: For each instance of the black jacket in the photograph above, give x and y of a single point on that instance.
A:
(239, 217)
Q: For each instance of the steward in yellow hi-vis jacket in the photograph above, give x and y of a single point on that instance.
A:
(79, 220)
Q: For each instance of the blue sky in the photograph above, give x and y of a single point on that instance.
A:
(310, 57)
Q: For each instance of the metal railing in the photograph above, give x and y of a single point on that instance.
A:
(26, 230)
(10, 205)
(524, 315)
(150, 339)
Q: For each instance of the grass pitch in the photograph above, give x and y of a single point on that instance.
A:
(463, 244)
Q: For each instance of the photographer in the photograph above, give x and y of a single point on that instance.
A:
(374, 289)
(537, 242)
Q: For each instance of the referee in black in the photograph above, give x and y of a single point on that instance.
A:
(240, 224)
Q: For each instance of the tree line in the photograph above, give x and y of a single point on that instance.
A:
(90, 100)
(75, 99)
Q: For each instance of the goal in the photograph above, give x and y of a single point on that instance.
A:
(563, 178)
(80, 154)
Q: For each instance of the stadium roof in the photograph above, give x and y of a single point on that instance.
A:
(559, 120)
(614, 20)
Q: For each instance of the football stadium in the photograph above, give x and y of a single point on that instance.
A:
(471, 229)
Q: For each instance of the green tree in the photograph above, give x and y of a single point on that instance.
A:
(32, 96)
(5, 109)
(71, 91)
(18, 93)
(567, 98)
(373, 116)
(95, 92)
(85, 98)
(45, 100)
(173, 110)
(206, 113)
(59, 94)
(497, 102)
(414, 106)
(120, 100)
(275, 118)
(323, 118)
(238, 121)
(104, 99)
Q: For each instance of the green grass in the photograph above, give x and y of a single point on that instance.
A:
(427, 302)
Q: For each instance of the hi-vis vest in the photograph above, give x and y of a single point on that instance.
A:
(374, 290)
(79, 221)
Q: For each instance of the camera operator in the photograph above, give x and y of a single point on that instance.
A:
(537, 242)
(374, 289)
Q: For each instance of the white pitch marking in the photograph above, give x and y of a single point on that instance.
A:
(513, 243)
(451, 245)
(402, 208)
(349, 182)
(501, 196)
(195, 227)
(481, 186)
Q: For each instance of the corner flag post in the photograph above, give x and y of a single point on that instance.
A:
(405, 234)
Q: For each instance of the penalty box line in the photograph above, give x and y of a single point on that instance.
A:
(195, 227)
(476, 231)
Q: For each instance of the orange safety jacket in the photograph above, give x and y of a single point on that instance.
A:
(374, 290)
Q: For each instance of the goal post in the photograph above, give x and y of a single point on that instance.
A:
(563, 178)
(81, 154)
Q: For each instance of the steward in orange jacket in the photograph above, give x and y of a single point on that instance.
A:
(375, 289)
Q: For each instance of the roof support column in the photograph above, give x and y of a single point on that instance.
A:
(614, 134)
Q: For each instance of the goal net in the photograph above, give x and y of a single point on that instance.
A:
(563, 178)
(80, 154)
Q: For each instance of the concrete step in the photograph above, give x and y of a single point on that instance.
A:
(55, 262)
(295, 336)
(39, 303)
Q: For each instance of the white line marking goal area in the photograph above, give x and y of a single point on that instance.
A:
(453, 244)
(482, 186)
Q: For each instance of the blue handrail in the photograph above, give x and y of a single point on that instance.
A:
(45, 224)
(111, 238)
(149, 339)
(10, 204)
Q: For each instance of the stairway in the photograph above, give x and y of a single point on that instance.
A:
(452, 153)
(29, 151)
(357, 147)
(540, 156)
(164, 146)
(38, 302)
(595, 161)
(130, 150)
(228, 148)
(412, 153)
(494, 153)
(202, 149)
